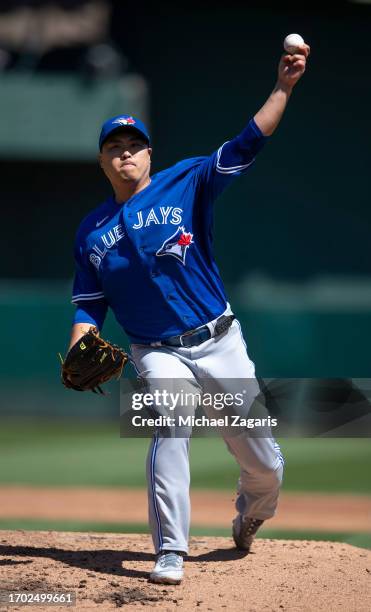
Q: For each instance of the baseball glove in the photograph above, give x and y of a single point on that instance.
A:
(91, 362)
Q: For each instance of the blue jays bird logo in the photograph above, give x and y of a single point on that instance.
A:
(125, 121)
(177, 245)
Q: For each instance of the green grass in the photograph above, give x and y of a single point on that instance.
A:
(327, 465)
(40, 452)
(363, 540)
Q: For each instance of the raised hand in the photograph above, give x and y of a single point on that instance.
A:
(292, 67)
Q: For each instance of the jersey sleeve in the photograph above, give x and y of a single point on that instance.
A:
(93, 312)
(87, 292)
(232, 159)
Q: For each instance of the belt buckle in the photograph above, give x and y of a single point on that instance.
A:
(188, 333)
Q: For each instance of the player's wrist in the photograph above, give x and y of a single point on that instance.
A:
(284, 87)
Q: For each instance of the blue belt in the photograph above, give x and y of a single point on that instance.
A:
(194, 337)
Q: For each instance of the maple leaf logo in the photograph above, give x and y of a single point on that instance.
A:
(185, 239)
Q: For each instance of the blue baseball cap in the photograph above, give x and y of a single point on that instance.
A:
(122, 121)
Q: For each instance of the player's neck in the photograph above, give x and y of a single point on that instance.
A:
(124, 192)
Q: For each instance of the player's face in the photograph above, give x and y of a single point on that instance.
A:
(125, 157)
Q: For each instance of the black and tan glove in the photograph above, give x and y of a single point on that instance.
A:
(91, 362)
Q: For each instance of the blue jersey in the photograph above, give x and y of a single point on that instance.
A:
(150, 259)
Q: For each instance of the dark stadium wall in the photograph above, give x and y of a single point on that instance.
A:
(303, 208)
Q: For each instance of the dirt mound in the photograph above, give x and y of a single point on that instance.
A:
(108, 571)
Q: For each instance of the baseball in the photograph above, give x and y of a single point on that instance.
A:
(292, 42)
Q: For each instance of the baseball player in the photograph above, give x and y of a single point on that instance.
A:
(146, 253)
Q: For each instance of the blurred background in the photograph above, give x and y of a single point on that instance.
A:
(291, 238)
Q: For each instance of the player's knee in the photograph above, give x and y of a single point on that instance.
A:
(270, 472)
(270, 466)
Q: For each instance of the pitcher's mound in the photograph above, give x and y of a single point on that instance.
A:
(109, 571)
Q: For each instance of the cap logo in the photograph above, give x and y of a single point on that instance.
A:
(124, 121)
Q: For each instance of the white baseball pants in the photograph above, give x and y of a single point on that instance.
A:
(168, 476)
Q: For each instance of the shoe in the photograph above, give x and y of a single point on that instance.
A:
(168, 568)
(244, 530)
